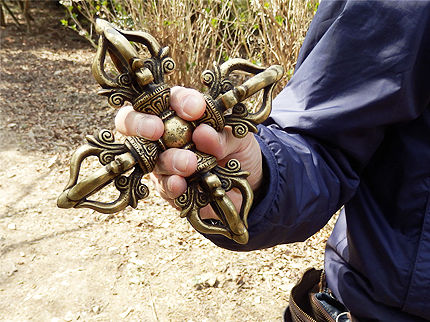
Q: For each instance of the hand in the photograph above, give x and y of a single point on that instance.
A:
(176, 164)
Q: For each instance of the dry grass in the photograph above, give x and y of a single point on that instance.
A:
(201, 32)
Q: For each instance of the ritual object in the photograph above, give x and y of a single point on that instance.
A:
(140, 81)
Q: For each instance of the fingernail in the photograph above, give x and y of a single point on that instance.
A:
(190, 105)
(181, 161)
(169, 185)
(145, 127)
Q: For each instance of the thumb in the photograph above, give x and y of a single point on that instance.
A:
(218, 144)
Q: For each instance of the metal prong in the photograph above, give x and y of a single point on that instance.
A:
(83, 189)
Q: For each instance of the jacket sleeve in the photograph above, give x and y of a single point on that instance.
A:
(361, 69)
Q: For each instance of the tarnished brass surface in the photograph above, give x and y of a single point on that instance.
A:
(141, 82)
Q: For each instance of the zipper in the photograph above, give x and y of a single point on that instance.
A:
(317, 305)
(300, 313)
(296, 312)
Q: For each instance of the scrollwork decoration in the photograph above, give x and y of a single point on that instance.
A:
(106, 147)
(132, 187)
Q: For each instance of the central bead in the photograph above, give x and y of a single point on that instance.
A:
(177, 132)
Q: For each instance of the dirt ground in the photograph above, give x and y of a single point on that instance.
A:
(139, 265)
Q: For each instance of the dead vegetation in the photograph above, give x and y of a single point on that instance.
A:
(201, 32)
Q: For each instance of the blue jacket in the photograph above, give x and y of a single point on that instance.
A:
(352, 129)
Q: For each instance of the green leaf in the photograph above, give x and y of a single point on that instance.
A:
(279, 20)
(214, 22)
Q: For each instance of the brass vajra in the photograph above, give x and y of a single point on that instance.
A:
(141, 82)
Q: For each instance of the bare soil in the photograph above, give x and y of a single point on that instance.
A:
(139, 265)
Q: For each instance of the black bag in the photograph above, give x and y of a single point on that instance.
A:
(311, 301)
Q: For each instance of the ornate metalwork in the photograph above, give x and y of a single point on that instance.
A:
(141, 82)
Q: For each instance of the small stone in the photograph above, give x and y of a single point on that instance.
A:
(69, 316)
(286, 288)
(205, 280)
(124, 314)
(113, 250)
(82, 225)
(96, 309)
(212, 281)
(52, 161)
(137, 262)
(134, 280)
(22, 254)
(86, 252)
(104, 217)
(11, 226)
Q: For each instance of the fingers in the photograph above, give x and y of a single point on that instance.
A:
(188, 103)
(234, 195)
(132, 123)
(176, 162)
(218, 144)
(225, 146)
(169, 187)
(169, 174)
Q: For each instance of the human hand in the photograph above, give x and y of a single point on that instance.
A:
(174, 165)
